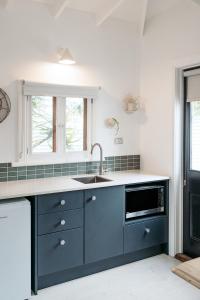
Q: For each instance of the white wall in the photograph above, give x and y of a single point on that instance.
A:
(107, 56)
(169, 38)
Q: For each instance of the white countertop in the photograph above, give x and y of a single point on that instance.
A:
(23, 188)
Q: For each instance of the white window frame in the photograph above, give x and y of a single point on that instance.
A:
(25, 92)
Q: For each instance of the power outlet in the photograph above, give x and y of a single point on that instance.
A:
(119, 140)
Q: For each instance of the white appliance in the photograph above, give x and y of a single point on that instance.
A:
(15, 249)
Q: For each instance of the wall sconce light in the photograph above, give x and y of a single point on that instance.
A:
(65, 57)
(113, 123)
(131, 104)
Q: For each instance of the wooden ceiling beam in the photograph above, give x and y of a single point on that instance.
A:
(143, 17)
(107, 13)
(58, 7)
(196, 2)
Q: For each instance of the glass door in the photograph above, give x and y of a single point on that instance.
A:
(191, 201)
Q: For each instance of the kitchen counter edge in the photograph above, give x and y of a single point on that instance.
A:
(34, 187)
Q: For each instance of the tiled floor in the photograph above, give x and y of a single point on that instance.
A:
(149, 279)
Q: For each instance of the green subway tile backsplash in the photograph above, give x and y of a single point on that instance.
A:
(111, 164)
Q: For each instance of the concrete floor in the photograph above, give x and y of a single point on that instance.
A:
(149, 279)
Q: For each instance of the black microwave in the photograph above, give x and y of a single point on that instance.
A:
(145, 201)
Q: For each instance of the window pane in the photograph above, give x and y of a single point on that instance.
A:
(76, 123)
(43, 124)
(195, 135)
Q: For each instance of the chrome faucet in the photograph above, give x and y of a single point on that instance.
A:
(101, 156)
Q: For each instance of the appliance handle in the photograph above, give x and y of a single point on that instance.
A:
(128, 190)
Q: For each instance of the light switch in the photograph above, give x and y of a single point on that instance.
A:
(119, 140)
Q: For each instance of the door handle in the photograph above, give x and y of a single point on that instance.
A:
(62, 222)
(62, 202)
(147, 230)
(93, 198)
(62, 242)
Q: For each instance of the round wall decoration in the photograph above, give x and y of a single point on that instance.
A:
(5, 105)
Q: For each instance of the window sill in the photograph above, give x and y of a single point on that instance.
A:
(54, 162)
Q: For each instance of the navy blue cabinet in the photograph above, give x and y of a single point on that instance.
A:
(60, 202)
(60, 251)
(103, 223)
(145, 234)
(60, 221)
(78, 233)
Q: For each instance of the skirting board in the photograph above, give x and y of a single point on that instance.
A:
(85, 270)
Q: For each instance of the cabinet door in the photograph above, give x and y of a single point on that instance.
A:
(59, 202)
(60, 221)
(145, 234)
(104, 210)
(60, 251)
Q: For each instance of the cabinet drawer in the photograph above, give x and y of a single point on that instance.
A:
(60, 202)
(60, 221)
(145, 234)
(54, 257)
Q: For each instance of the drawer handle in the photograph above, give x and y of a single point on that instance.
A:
(62, 222)
(147, 230)
(62, 243)
(62, 202)
(94, 198)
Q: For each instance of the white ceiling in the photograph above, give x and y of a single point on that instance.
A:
(133, 11)
(157, 7)
(128, 10)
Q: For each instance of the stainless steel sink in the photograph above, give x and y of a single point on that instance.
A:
(92, 179)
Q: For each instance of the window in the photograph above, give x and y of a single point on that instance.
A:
(44, 119)
(43, 124)
(195, 134)
(76, 124)
(55, 123)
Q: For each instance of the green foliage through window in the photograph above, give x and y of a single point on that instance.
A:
(42, 124)
(72, 110)
(74, 124)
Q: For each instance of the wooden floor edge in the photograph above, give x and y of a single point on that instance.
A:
(184, 274)
(186, 277)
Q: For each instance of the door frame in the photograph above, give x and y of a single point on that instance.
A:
(176, 191)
